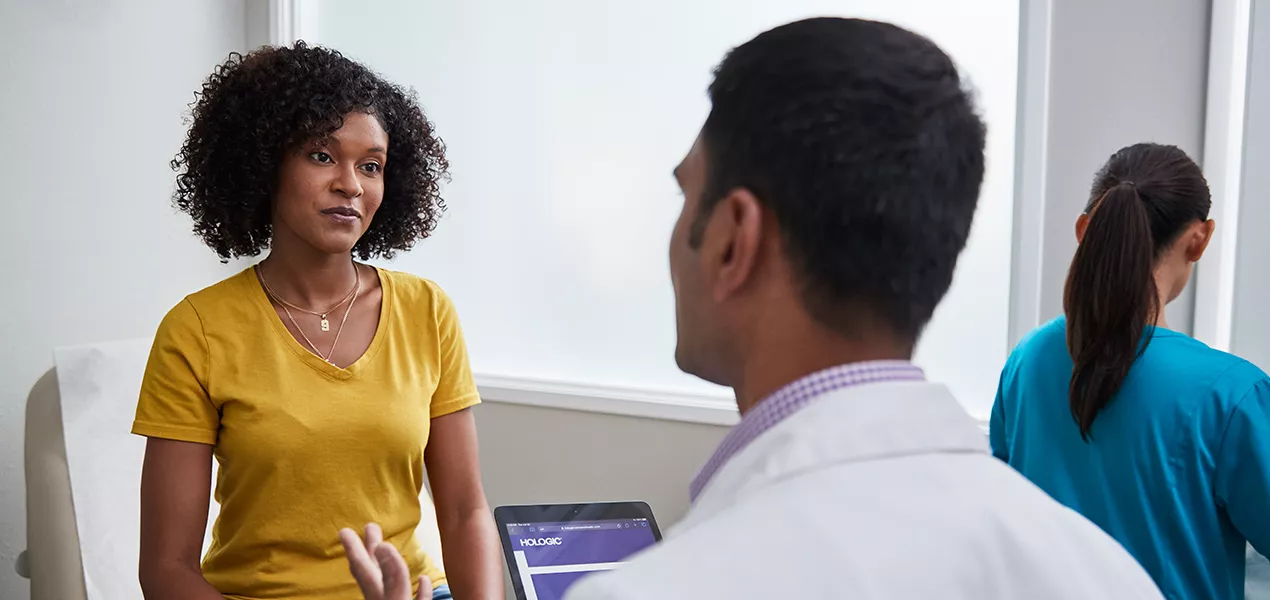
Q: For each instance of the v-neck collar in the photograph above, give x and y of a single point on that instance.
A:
(317, 363)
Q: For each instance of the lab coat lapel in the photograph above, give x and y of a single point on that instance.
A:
(860, 423)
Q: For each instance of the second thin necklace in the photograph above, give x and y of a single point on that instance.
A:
(351, 298)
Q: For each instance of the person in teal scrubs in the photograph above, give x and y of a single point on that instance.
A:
(1157, 438)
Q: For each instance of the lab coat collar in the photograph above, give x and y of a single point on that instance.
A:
(856, 424)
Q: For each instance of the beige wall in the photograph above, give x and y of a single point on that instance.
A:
(534, 455)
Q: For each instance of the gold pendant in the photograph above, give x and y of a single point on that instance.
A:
(326, 325)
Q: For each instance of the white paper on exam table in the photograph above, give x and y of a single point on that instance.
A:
(99, 385)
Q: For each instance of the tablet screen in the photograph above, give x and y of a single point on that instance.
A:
(552, 556)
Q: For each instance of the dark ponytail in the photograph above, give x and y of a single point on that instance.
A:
(1142, 200)
(1109, 300)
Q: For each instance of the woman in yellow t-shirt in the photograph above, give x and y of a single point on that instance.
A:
(321, 386)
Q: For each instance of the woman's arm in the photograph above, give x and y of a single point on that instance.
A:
(1241, 481)
(469, 540)
(175, 491)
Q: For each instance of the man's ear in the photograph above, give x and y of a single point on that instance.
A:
(736, 235)
(1082, 223)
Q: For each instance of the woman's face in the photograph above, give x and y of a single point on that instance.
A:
(328, 193)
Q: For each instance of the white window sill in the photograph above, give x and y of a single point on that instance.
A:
(630, 402)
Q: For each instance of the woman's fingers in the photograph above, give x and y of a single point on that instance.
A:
(396, 576)
(378, 567)
(374, 536)
(365, 568)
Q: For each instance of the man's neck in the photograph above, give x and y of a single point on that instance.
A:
(773, 367)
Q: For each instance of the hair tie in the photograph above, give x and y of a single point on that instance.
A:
(1128, 183)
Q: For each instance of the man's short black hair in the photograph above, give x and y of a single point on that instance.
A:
(861, 139)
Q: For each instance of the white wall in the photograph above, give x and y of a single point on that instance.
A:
(1251, 331)
(1121, 72)
(91, 106)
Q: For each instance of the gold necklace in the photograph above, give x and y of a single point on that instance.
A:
(326, 324)
(357, 286)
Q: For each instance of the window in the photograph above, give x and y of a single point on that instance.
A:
(563, 119)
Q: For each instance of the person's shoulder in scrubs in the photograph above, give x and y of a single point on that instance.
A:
(1177, 466)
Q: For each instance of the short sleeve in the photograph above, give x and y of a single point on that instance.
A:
(996, 425)
(456, 389)
(1006, 399)
(1242, 477)
(174, 402)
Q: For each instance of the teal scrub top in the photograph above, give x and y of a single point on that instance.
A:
(1178, 466)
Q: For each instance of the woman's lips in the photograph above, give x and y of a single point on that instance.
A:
(344, 215)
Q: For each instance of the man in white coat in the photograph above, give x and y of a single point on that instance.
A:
(826, 200)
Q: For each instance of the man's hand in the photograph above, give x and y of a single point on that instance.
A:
(380, 571)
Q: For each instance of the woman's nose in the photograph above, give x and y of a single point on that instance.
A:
(347, 183)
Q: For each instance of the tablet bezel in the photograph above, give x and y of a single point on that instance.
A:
(564, 513)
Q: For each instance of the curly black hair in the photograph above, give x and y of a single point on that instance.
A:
(253, 108)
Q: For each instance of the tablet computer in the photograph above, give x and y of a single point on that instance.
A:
(550, 547)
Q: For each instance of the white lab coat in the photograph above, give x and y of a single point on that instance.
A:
(880, 491)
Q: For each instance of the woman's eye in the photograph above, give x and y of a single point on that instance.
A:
(321, 157)
(372, 168)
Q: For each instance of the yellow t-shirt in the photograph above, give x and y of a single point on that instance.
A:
(304, 447)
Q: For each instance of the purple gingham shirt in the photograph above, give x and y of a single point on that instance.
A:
(793, 398)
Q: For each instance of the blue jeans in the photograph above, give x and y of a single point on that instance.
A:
(442, 593)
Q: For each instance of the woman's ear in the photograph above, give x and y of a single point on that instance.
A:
(1082, 223)
(1198, 237)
